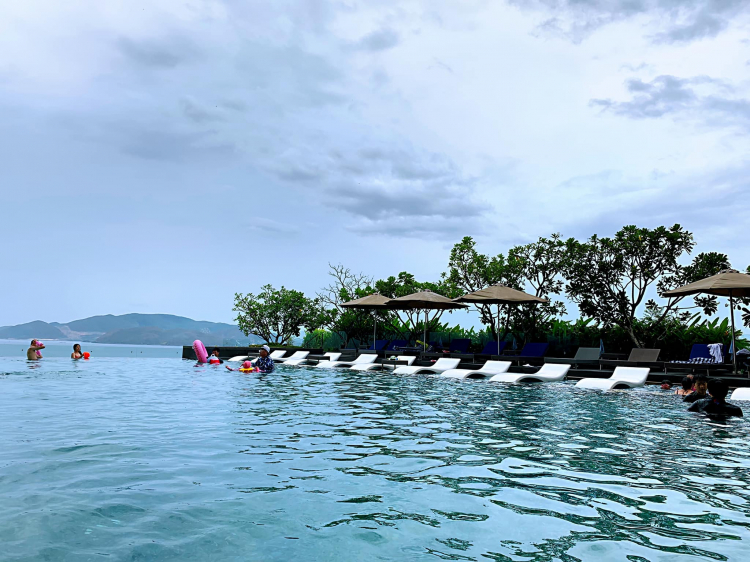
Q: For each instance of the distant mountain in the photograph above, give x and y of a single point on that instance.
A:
(134, 329)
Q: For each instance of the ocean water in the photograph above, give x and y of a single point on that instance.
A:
(60, 349)
(158, 459)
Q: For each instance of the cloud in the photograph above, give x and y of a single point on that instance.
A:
(157, 54)
(679, 20)
(698, 98)
(380, 40)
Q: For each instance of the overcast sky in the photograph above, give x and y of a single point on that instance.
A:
(160, 156)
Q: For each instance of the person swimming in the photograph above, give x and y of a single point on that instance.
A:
(33, 353)
(77, 353)
(701, 385)
(687, 386)
(716, 405)
(214, 359)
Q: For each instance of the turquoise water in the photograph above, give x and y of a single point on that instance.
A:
(60, 349)
(156, 459)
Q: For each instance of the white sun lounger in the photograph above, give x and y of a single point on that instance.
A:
(623, 377)
(364, 359)
(278, 354)
(741, 394)
(441, 365)
(549, 372)
(487, 370)
(297, 356)
(371, 367)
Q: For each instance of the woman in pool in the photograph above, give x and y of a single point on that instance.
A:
(77, 353)
(687, 386)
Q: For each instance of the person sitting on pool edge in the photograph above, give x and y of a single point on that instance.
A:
(687, 386)
(701, 385)
(32, 354)
(77, 353)
(716, 405)
(264, 363)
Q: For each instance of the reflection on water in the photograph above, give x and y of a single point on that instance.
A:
(161, 460)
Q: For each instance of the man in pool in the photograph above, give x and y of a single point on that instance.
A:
(214, 357)
(264, 363)
(32, 354)
(701, 386)
(716, 405)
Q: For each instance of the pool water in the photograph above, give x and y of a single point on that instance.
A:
(157, 459)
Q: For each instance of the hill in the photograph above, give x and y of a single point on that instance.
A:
(134, 329)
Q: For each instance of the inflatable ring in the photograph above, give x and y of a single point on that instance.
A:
(214, 361)
(200, 351)
(246, 370)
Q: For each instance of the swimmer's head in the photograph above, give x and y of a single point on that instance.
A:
(687, 383)
(718, 388)
(215, 351)
(77, 348)
(264, 351)
(247, 365)
(666, 385)
(701, 384)
(33, 342)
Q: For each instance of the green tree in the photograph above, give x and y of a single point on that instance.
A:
(609, 277)
(276, 315)
(535, 268)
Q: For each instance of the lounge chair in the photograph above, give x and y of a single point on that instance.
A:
(490, 348)
(396, 343)
(441, 365)
(275, 355)
(623, 377)
(364, 359)
(489, 369)
(531, 353)
(378, 345)
(637, 356)
(741, 394)
(459, 346)
(372, 366)
(294, 359)
(584, 356)
(548, 373)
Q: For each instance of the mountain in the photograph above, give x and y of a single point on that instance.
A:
(134, 329)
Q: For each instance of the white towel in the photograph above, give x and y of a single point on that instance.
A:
(715, 350)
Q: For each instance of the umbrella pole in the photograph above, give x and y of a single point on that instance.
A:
(374, 329)
(734, 343)
(497, 334)
(424, 341)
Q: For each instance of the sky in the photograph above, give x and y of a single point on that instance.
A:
(160, 156)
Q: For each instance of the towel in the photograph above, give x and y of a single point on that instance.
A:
(715, 350)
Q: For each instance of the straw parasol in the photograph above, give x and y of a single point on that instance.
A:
(375, 301)
(727, 283)
(424, 300)
(499, 294)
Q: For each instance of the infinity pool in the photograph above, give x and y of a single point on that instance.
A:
(156, 459)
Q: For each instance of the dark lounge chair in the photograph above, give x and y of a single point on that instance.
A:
(693, 364)
(378, 345)
(532, 353)
(490, 348)
(584, 356)
(459, 346)
(639, 357)
(396, 343)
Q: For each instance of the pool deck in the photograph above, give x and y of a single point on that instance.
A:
(674, 374)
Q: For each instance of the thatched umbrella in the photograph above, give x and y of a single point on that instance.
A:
(424, 300)
(499, 294)
(727, 283)
(375, 301)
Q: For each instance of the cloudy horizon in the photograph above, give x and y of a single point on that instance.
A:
(160, 158)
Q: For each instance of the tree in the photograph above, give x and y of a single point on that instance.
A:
(276, 315)
(609, 277)
(407, 322)
(349, 324)
(534, 267)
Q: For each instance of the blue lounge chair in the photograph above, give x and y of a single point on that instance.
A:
(396, 343)
(379, 345)
(532, 353)
(460, 346)
(490, 348)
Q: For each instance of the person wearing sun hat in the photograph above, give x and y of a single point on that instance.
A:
(264, 363)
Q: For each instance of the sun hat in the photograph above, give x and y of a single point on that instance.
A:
(268, 349)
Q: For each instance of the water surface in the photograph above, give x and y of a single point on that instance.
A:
(156, 459)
